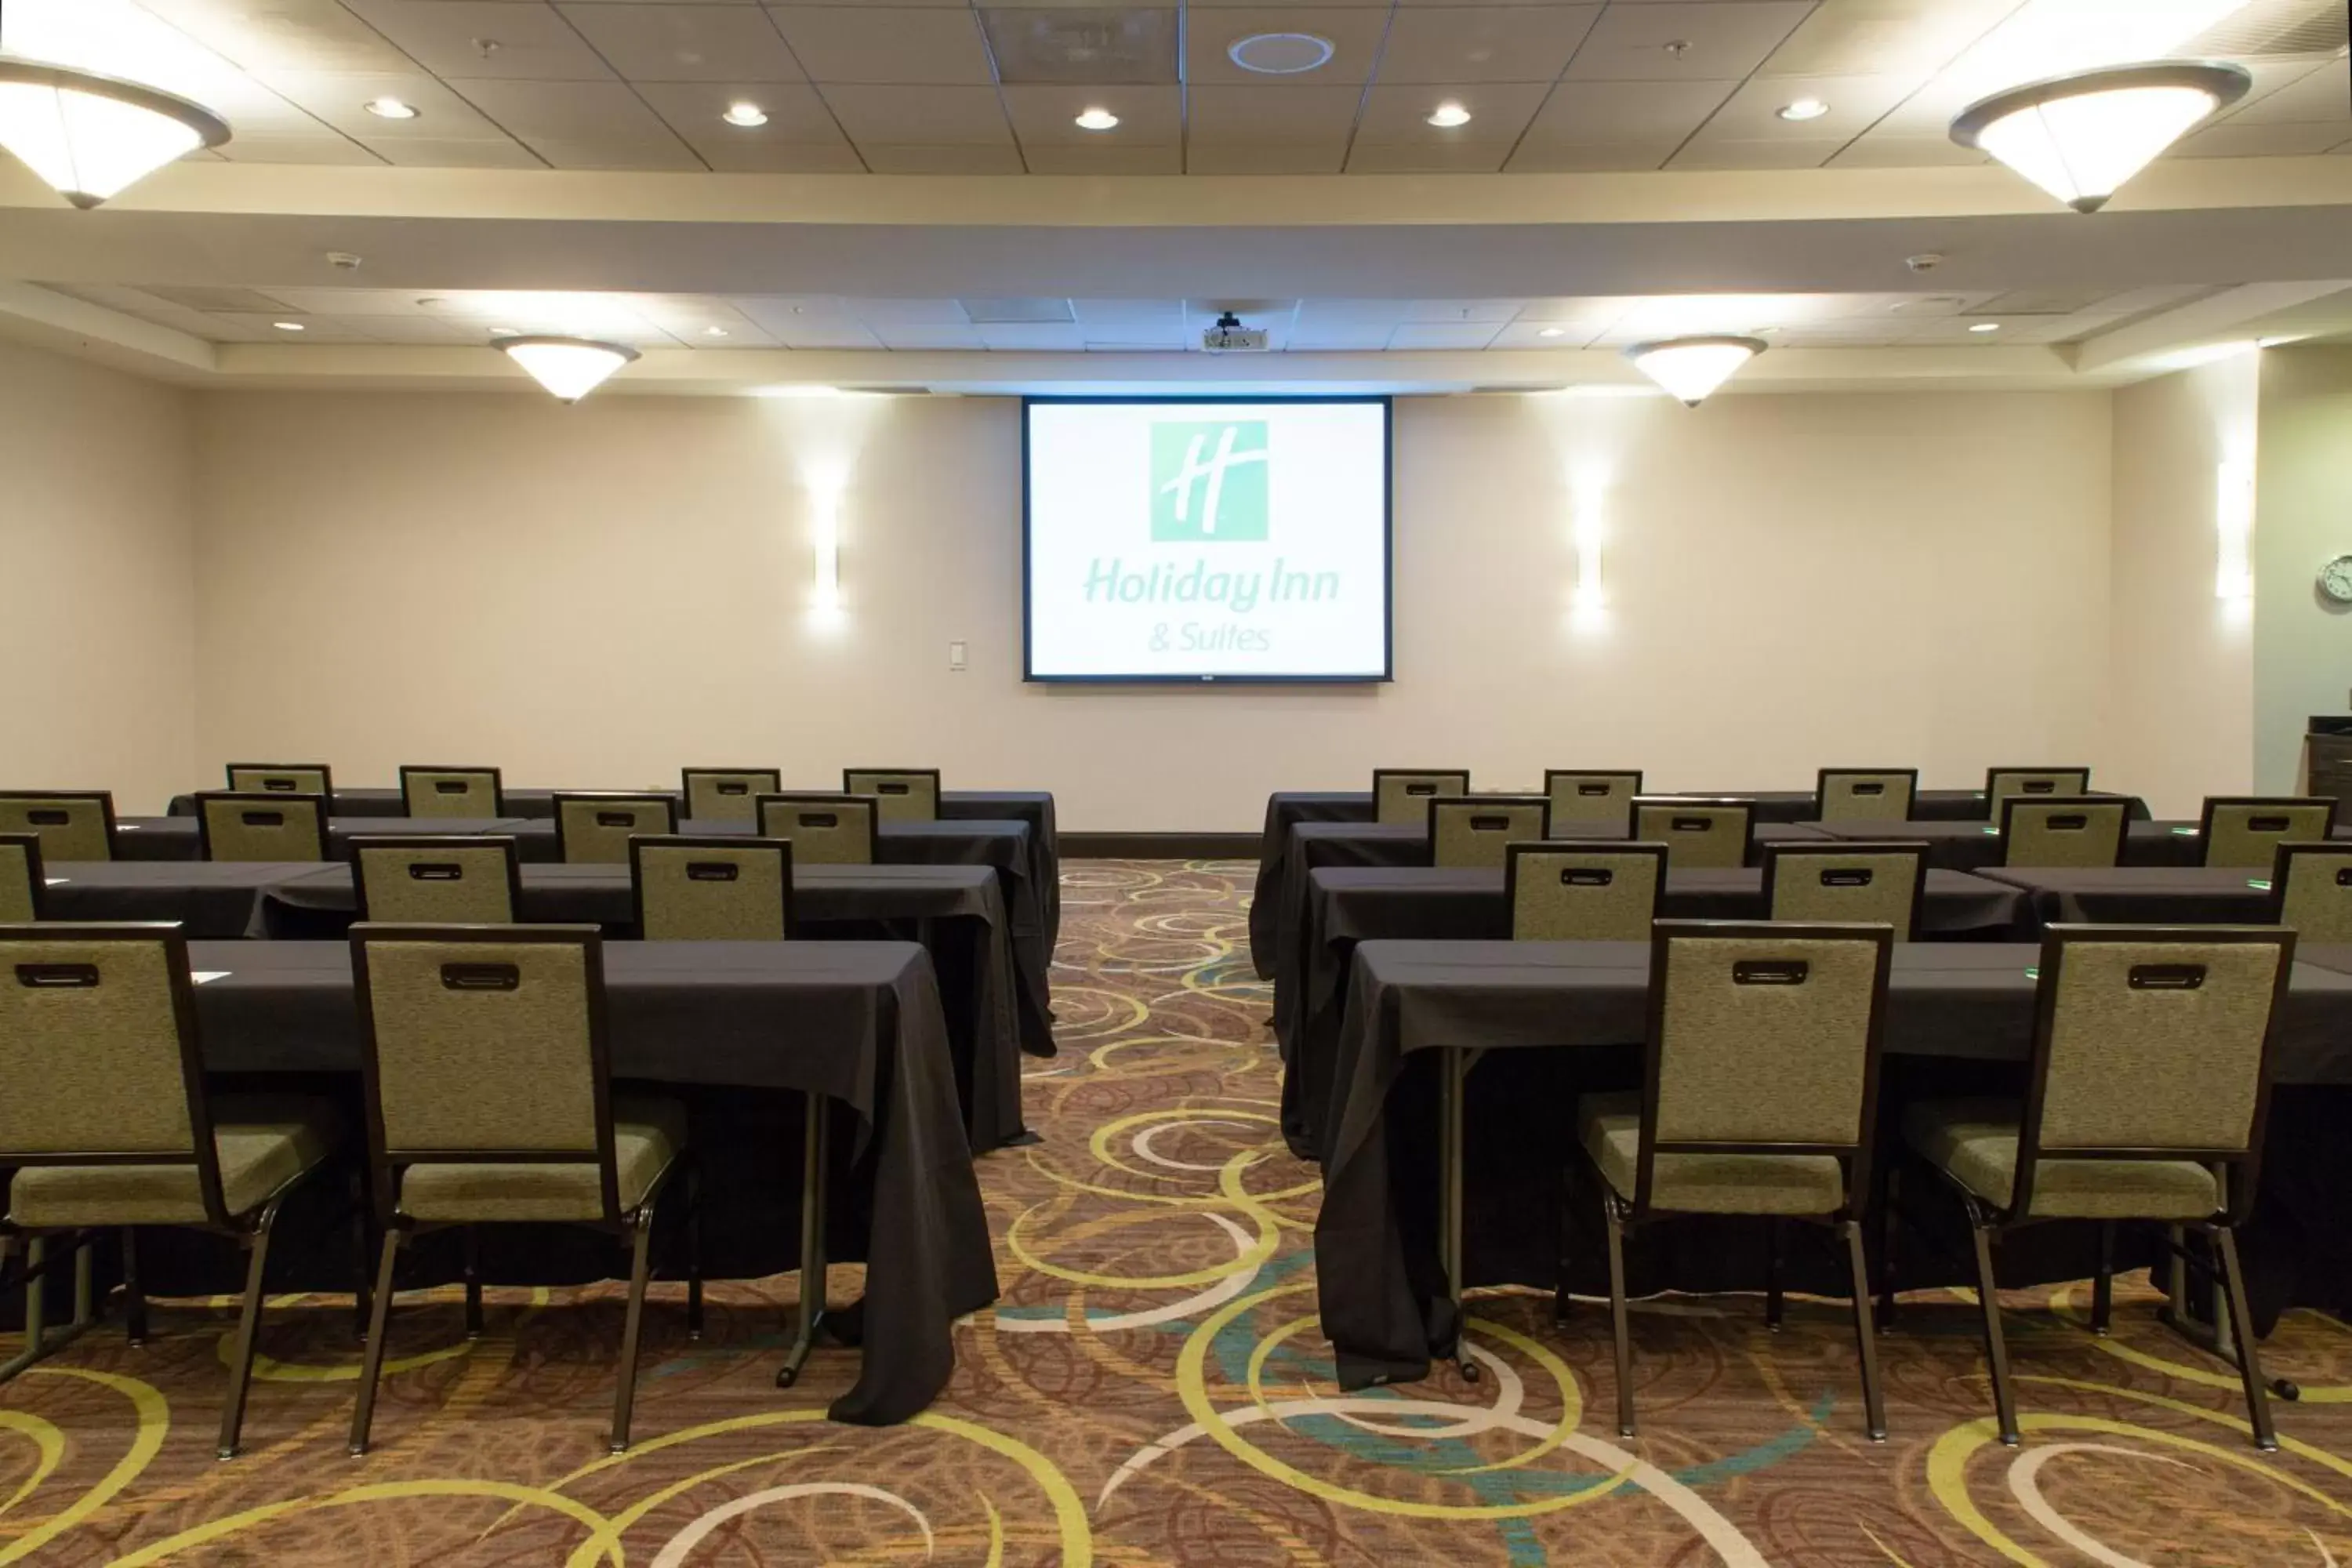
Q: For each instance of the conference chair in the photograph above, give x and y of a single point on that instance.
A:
(2311, 890)
(418, 879)
(487, 1072)
(1758, 1097)
(906, 794)
(728, 794)
(2063, 832)
(2002, 782)
(282, 778)
(1699, 835)
(2145, 1100)
(824, 829)
(1883, 884)
(261, 826)
(1866, 794)
(109, 1124)
(22, 884)
(1401, 796)
(2243, 832)
(453, 791)
(712, 889)
(72, 824)
(594, 827)
(1583, 890)
(1585, 800)
(1472, 831)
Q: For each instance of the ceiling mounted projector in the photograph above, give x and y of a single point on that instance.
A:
(1229, 337)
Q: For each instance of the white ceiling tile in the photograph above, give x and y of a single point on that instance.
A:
(407, 328)
(1725, 39)
(1138, 313)
(886, 44)
(2320, 95)
(1484, 43)
(1592, 158)
(1033, 336)
(1427, 157)
(1499, 114)
(919, 116)
(2236, 141)
(263, 328)
(1282, 158)
(1352, 314)
(825, 332)
(448, 38)
(799, 136)
(1777, 152)
(340, 99)
(1531, 335)
(1055, 159)
(1466, 335)
(866, 5)
(686, 43)
(689, 318)
(286, 35)
(1459, 312)
(1881, 151)
(583, 124)
(350, 301)
(1862, 37)
(1353, 32)
(1856, 104)
(1339, 338)
(920, 336)
(1640, 116)
(323, 149)
(1142, 336)
(880, 313)
(1311, 122)
(1595, 312)
(953, 159)
(426, 153)
(1047, 115)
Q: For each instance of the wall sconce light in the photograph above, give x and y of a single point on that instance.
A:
(825, 583)
(1587, 491)
(2233, 520)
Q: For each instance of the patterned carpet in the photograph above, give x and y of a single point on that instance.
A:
(1154, 1389)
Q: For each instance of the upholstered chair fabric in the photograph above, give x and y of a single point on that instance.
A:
(1976, 1142)
(2002, 782)
(2061, 834)
(1401, 797)
(704, 890)
(1742, 1061)
(70, 827)
(595, 829)
(1858, 795)
(648, 1136)
(1609, 1126)
(721, 794)
(20, 878)
(92, 1062)
(1699, 836)
(908, 794)
(1473, 832)
(452, 792)
(264, 1141)
(2246, 834)
(1839, 882)
(2315, 891)
(435, 881)
(824, 830)
(1584, 892)
(1584, 802)
(299, 778)
(263, 826)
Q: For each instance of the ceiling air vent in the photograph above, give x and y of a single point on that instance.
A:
(1085, 47)
(2268, 29)
(196, 298)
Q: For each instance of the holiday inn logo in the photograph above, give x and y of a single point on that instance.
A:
(1209, 481)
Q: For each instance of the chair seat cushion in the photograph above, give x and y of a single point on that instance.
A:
(1975, 1143)
(1610, 1128)
(265, 1142)
(647, 1136)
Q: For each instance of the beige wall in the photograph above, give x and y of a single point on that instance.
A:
(96, 532)
(2303, 641)
(2180, 708)
(593, 595)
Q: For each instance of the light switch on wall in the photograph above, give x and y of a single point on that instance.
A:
(955, 656)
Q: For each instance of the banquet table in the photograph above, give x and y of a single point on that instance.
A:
(739, 1031)
(1959, 1018)
(1978, 846)
(175, 838)
(2140, 895)
(1351, 905)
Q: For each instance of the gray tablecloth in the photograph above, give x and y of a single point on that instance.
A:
(1977, 847)
(1347, 906)
(215, 899)
(2142, 895)
(1382, 1300)
(858, 1021)
(175, 838)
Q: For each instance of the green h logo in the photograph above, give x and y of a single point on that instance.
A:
(1209, 481)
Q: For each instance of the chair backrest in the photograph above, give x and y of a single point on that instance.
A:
(477, 1041)
(1583, 890)
(1699, 835)
(1475, 830)
(712, 889)
(903, 794)
(99, 1050)
(423, 879)
(2002, 782)
(282, 778)
(21, 883)
(237, 826)
(2153, 1041)
(2245, 831)
(2311, 890)
(728, 794)
(1866, 794)
(1401, 796)
(72, 824)
(594, 827)
(2080, 831)
(1582, 798)
(1882, 884)
(1763, 1040)
(453, 791)
(824, 829)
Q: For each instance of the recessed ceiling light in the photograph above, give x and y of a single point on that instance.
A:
(1552, 332)
(1097, 119)
(714, 331)
(288, 326)
(1985, 327)
(390, 109)
(1448, 115)
(745, 114)
(1280, 54)
(1803, 109)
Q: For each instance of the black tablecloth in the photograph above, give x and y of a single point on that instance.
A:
(174, 837)
(856, 1021)
(1351, 905)
(2142, 895)
(1977, 847)
(215, 899)
(1961, 1020)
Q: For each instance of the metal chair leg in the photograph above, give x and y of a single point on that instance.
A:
(2103, 1283)
(812, 1268)
(362, 1254)
(364, 1412)
(1873, 1403)
(41, 1341)
(1453, 1068)
(624, 1393)
(473, 1240)
(248, 1324)
(1775, 1302)
(1996, 1351)
(134, 1300)
(2250, 1369)
(693, 1251)
(1617, 1313)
